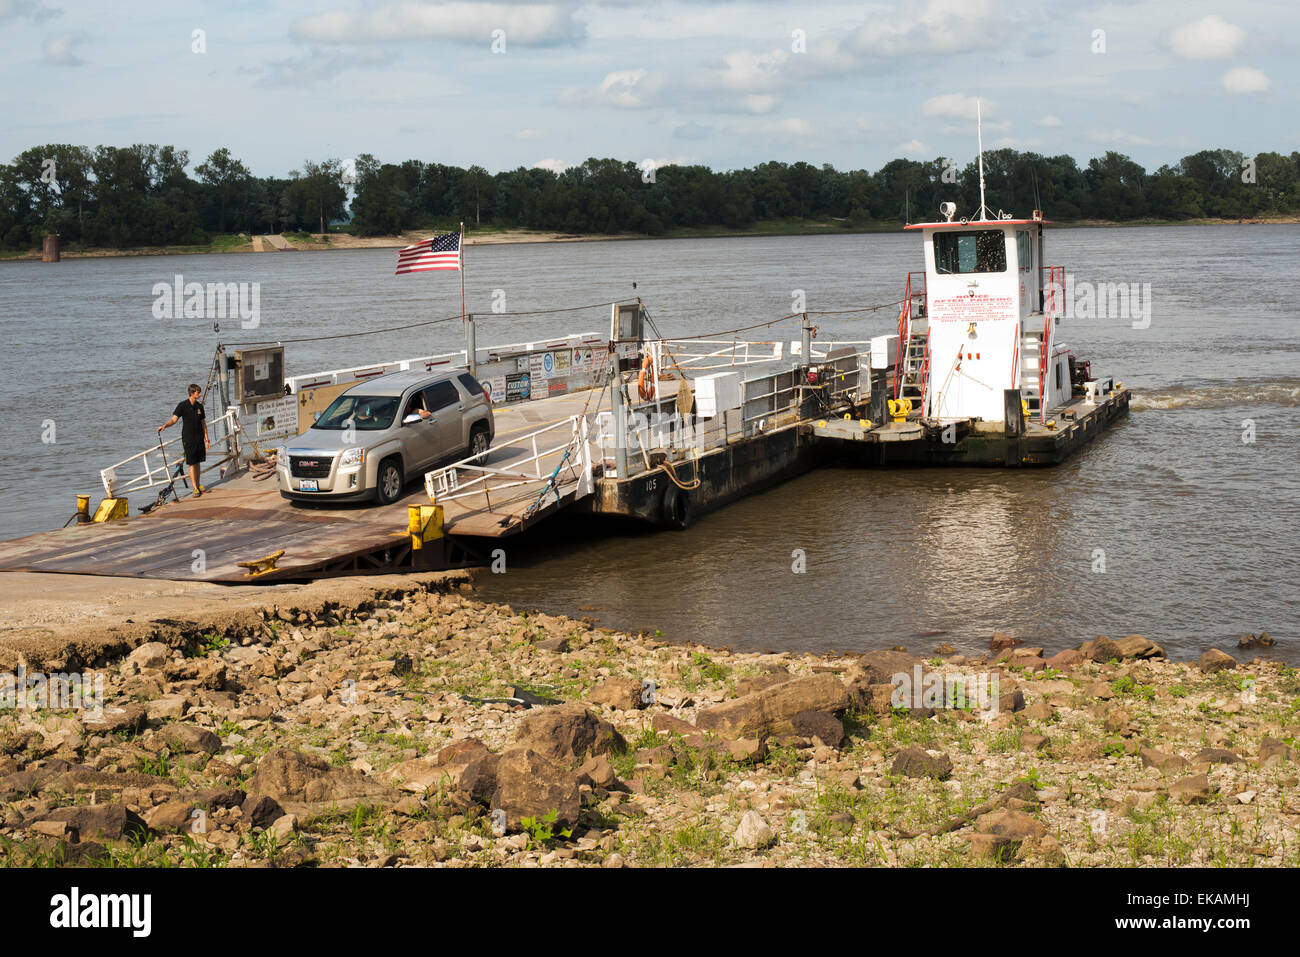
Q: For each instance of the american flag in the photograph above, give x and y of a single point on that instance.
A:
(440, 252)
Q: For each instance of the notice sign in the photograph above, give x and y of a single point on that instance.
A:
(562, 362)
(496, 388)
(277, 418)
(971, 308)
(518, 387)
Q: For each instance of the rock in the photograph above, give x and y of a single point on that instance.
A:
(742, 750)
(531, 784)
(1040, 710)
(599, 773)
(1063, 660)
(1011, 701)
(1165, 763)
(1136, 646)
(945, 649)
(1033, 742)
(478, 777)
(219, 797)
(1101, 650)
(919, 763)
(283, 828)
(819, 724)
(621, 694)
(259, 810)
(173, 815)
(303, 782)
(880, 667)
(1214, 660)
(753, 832)
(168, 707)
(1192, 790)
(771, 710)
(994, 847)
(113, 718)
(1272, 748)
(667, 723)
(557, 644)
(109, 822)
(1264, 640)
(1215, 756)
(152, 654)
(1016, 825)
(1117, 720)
(568, 734)
(189, 738)
(1002, 641)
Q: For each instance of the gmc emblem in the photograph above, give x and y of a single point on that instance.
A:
(308, 463)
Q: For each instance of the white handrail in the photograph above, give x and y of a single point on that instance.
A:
(445, 484)
(153, 475)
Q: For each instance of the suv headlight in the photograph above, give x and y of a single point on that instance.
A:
(282, 457)
(351, 458)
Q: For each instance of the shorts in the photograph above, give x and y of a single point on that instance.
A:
(195, 453)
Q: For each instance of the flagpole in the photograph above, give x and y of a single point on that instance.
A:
(467, 322)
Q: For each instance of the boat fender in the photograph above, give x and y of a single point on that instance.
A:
(678, 511)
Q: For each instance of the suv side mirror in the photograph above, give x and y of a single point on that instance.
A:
(411, 419)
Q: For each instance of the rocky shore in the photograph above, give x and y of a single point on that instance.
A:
(415, 726)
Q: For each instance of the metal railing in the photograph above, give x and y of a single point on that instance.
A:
(471, 476)
(152, 467)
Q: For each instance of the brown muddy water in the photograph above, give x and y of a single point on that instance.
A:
(1192, 505)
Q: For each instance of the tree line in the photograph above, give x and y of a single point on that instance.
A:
(147, 195)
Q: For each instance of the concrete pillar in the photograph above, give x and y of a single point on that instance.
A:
(50, 249)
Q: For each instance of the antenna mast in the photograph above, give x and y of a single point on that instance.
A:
(979, 128)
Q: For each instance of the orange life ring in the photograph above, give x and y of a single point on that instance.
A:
(643, 381)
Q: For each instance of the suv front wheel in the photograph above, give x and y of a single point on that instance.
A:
(389, 482)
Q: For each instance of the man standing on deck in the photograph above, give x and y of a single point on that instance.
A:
(194, 433)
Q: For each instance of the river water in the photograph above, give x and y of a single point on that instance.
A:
(1182, 524)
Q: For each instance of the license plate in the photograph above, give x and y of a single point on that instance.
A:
(306, 486)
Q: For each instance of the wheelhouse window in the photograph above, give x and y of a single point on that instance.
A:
(979, 250)
(1024, 250)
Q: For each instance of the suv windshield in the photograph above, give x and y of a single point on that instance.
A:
(366, 413)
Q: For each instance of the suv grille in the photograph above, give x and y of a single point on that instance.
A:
(310, 466)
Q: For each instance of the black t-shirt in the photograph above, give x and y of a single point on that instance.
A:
(192, 419)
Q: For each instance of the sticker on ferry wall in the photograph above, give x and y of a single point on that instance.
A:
(537, 366)
(518, 387)
(496, 388)
(557, 386)
(562, 362)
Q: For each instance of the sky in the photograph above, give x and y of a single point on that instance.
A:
(726, 84)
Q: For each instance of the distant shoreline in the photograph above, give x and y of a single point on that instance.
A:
(335, 241)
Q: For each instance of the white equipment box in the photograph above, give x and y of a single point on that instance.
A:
(716, 393)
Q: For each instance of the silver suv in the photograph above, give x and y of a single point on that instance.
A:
(380, 433)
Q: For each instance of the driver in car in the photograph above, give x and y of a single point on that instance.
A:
(416, 407)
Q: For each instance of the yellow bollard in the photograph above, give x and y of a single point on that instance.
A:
(110, 510)
(83, 509)
(424, 522)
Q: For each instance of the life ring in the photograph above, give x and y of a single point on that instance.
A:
(643, 381)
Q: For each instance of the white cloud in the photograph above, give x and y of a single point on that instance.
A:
(1244, 79)
(533, 24)
(790, 126)
(528, 135)
(955, 106)
(554, 165)
(928, 26)
(59, 50)
(1050, 120)
(912, 148)
(1118, 138)
(1210, 38)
